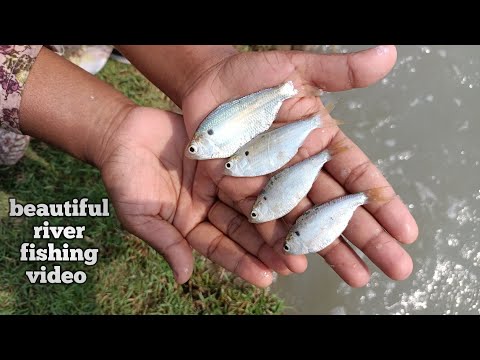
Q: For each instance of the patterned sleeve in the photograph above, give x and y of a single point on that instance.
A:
(15, 64)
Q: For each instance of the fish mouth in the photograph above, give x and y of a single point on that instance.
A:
(228, 172)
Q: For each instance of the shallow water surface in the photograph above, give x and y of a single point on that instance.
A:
(420, 126)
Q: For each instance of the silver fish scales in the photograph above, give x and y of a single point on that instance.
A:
(233, 124)
(321, 225)
(271, 150)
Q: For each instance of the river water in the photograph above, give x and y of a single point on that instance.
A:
(420, 126)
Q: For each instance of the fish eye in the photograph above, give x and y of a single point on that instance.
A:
(265, 198)
(210, 132)
(228, 165)
(297, 233)
(286, 247)
(192, 149)
(253, 214)
(246, 153)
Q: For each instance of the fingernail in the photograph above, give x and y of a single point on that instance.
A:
(382, 49)
(177, 275)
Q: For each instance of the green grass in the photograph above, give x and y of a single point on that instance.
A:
(129, 277)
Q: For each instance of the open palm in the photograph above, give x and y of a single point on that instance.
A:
(376, 229)
(164, 198)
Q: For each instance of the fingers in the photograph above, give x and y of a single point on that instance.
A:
(346, 263)
(243, 74)
(249, 72)
(213, 244)
(166, 240)
(339, 72)
(366, 231)
(355, 172)
(380, 247)
(334, 72)
(272, 232)
(366, 234)
(339, 255)
(236, 227)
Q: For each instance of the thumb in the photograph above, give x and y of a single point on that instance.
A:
(167, 241)
(337, 72)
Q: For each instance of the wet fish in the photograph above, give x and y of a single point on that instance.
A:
(234, 123)
(287, 188)
(273, 149)
(321, 225)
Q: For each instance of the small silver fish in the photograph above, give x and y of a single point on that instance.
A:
(234, 123)
(321, 225)
(287, 188)
(271, 150)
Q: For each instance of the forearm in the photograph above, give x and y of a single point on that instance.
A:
(174, 68)
(67, 107)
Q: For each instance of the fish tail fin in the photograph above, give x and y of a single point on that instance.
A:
(338, 148)
(332, 100)
(379, 195)
(306, 90)
(288, 89)
(330, 106)
(324, 119)
(327, 98)
(337, 122)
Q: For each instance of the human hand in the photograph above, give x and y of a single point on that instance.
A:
(352, 171)
(158, 195)
(168, 200)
